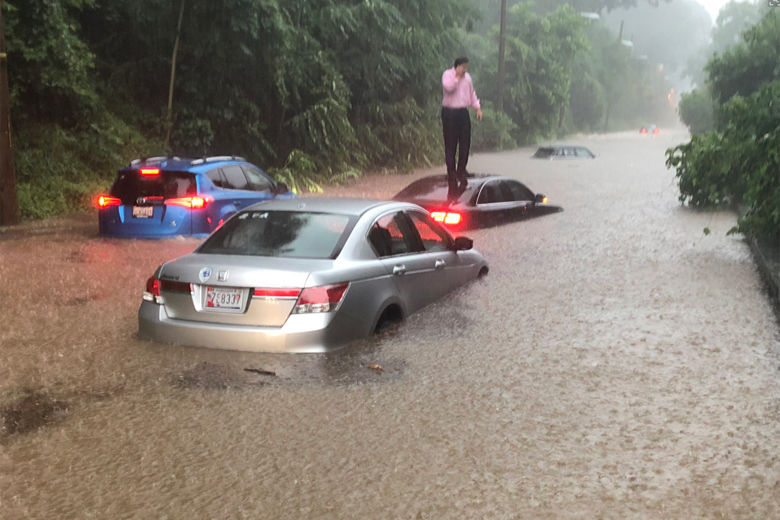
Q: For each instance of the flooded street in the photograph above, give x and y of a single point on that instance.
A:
(615, 363)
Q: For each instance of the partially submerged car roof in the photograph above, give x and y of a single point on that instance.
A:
(562, 150)
(435, 188)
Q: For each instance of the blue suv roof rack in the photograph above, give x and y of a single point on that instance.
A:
(215, 158)
(153, 159)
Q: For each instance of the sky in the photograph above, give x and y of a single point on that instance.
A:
(713, 6)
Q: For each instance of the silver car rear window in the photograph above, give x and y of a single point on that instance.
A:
(290, 234)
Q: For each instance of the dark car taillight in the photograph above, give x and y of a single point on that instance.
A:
(451, 218)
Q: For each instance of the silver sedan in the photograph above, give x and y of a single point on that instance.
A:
(305, 275)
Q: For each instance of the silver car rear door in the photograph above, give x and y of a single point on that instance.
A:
(414, 271)
(454, 269)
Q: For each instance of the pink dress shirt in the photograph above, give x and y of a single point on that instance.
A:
(458, 93)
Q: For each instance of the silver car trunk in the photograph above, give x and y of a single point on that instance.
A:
(222, 288)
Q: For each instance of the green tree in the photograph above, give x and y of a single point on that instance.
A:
(743, 68)
(50, 66)
(733, 19)
(540, 52)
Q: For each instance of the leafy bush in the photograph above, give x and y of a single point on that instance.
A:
(400, 135)
(60, 171)
(494, 132)
(696, 111)
(298, 172)
(739, 164)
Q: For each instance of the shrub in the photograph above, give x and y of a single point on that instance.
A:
(696, 111)
(494, 132)
(738, 164)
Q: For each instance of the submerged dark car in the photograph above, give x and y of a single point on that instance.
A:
(487, 200)
(563, 152)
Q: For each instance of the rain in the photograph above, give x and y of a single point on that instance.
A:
(615, 363)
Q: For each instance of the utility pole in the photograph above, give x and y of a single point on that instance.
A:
(501, 40)
(169, 113)
(9, 205)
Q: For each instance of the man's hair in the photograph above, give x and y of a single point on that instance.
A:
(461, 61)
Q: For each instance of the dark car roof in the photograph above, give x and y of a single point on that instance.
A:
(434, 189)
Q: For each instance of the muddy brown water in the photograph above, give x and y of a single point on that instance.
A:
(615, 363)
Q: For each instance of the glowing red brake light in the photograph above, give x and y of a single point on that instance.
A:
(103, 201)
(452, 219)
(276, 293)
(320, 299)
(189, 202)
(149, 171)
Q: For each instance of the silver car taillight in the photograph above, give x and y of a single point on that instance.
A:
(153, 286)
(320, 299)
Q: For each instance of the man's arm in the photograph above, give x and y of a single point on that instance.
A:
(449, 81)
(474, 101)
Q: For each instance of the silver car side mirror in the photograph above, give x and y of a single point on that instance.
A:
(462, 244)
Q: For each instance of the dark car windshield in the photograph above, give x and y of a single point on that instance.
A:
(131, 184)
(543, 153)
(291, 234)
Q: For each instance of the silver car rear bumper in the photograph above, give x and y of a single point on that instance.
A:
(302, 333)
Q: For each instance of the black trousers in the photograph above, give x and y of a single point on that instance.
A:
(456, 124)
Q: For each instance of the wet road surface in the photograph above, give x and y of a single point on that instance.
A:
(615, 363)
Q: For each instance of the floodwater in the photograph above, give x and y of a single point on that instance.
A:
(615, 363)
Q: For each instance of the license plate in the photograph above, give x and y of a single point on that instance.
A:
(224, 298)
(143, 211)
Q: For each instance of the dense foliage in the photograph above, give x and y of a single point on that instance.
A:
(739, 161)
(314, 91)
(696, 111)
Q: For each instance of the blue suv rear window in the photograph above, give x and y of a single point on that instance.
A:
(130, 185)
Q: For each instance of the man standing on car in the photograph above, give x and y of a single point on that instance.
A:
(458, 96)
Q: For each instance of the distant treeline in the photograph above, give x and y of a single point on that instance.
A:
(314, 91)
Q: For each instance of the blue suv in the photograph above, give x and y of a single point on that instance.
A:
(163, 197)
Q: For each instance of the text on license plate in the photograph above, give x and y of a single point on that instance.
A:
(143, 211)
(224, 298)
